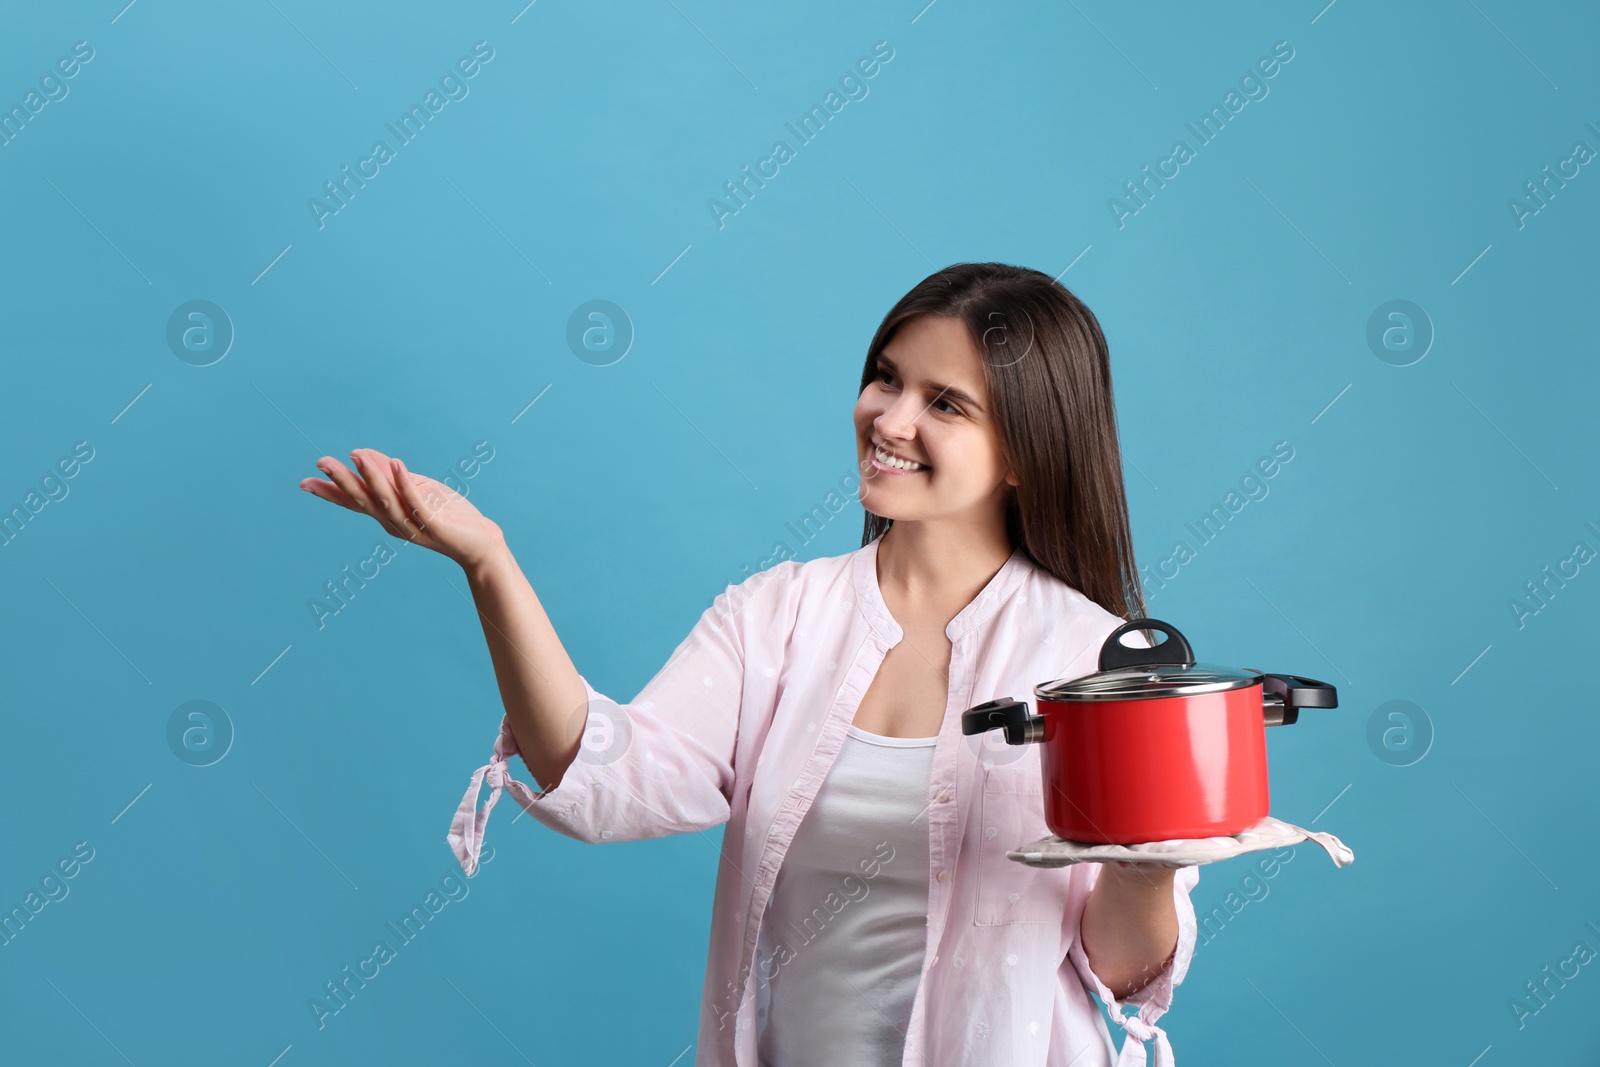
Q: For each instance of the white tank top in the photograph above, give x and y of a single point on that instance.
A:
(843, 940)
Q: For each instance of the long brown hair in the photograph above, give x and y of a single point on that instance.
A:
(1049, 381)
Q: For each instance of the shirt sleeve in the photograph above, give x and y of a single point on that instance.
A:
(660, 764)
(1153, 999)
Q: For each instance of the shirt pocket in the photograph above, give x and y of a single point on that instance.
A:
(1011, 814)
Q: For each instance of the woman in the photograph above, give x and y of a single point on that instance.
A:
(890, 927)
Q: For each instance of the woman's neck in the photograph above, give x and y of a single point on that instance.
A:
(936, 570)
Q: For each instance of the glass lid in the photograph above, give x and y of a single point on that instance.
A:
(1149, 680)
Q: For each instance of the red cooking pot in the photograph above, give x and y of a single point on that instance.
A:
(1153, 746)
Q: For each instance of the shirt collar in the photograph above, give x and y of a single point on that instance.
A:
(865, 579)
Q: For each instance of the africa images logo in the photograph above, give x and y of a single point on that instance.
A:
(853, 86)
(453, 85)
(1253, 84)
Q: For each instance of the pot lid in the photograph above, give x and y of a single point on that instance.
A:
(1147, 681)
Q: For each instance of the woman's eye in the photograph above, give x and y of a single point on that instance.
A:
(884, 375)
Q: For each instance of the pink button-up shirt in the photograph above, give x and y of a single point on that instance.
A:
(742, 726)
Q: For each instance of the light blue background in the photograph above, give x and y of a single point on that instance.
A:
(433, 309)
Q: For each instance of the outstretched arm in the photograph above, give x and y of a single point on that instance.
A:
(543, 693)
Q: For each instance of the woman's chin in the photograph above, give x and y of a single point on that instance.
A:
(885, 506)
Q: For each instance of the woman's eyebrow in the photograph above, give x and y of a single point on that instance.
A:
(944, 390)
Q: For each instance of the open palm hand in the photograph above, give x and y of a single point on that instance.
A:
(408, 505)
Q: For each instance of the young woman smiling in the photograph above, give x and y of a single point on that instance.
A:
(865, 910)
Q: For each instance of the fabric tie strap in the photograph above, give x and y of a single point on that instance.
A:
(466, 827)
(1139, 1031)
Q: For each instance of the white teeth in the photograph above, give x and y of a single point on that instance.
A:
(891, 461)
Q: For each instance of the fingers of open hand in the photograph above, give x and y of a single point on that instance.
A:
(346, 488)
(375, 468)
(343, 487)
(415, 508)
(329, 492)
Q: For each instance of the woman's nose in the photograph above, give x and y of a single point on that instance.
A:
(899, 421)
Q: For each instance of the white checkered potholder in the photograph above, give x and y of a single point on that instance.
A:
(1052, 851)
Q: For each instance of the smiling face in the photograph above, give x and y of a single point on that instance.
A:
(929, 406)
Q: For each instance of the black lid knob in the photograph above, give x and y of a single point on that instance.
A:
(1115, 654)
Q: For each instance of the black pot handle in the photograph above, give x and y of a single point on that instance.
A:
(1290, 693)
(1021, 727)
(1115, 654)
